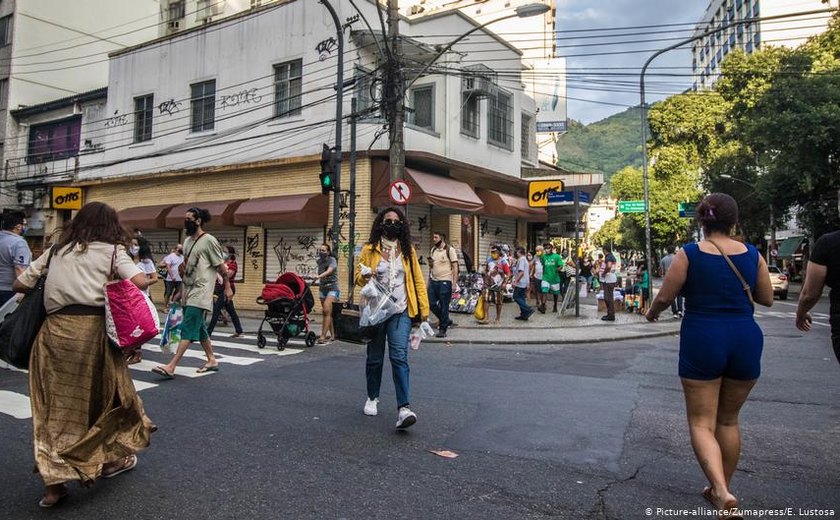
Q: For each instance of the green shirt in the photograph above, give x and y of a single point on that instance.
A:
(550, 265)
(204, 255)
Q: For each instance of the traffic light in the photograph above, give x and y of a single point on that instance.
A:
(327, 170)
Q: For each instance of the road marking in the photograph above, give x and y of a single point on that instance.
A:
(147, 366)
(268, 350)
(222, 358)
(14, 404)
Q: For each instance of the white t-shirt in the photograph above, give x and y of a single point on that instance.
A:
(383, 275)
(172, 262)
(79, 278)
(538, 268)
(148, 267)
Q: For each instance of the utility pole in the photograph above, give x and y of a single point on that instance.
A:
(396, 96)
(339, 105)
(351, 239)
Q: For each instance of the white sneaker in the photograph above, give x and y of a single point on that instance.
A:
(405, 418)
(370, 407)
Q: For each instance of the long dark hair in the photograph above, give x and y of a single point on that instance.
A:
(405, 232)
(145, 250)
(95, 222)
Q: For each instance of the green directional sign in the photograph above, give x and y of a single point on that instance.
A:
(631, 206)
(687, 209)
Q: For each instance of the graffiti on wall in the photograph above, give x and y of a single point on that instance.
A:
(169, 107)
(116, 120)
(253, 251)
(243, 97)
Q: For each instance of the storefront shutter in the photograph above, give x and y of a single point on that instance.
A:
(233, 237)
(420, 217)
(292, 249)
(161, 241)
(494, 230)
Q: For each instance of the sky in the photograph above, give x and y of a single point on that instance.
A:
(588, 87)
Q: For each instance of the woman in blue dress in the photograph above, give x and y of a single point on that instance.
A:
(720, 342)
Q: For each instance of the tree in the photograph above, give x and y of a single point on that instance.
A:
(609, 234)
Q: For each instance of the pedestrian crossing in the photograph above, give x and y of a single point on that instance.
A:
(240, 352)
(820, 319)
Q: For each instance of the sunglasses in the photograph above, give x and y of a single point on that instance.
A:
(391, 221)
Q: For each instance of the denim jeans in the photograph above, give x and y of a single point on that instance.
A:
(519, 298)
(223, 303)
(677, 305)
(397, 329)
(440, 294)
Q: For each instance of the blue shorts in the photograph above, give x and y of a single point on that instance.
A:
(712, 347)
(324, 292)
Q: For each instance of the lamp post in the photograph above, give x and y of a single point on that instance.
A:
(644, 105)
(772, 219)
(397, 149)
(339, 105)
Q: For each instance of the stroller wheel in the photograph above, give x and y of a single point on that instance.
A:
(281, 342)
(310, 339)
(260, 341)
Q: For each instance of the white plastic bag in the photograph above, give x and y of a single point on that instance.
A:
(376, 304)
(424, 331)
(8, 307)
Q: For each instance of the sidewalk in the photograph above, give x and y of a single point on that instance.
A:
(540, 329)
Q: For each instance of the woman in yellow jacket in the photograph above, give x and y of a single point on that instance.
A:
(390, 256)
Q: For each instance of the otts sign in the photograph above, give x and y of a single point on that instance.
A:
(63, 197)
(539, 192)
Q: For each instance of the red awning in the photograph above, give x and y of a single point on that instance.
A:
(293, 209)
(426, 188)
(221, 213)
(505, 205)
(145, 217)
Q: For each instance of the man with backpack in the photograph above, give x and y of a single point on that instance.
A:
(443, 276)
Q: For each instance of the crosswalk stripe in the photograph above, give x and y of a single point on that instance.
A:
(147, 366)
(268, 350)
(222, 358)
(14, 404)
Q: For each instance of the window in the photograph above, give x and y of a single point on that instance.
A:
(288, 79)
(143, 113)
(55, 140)
(5, 30)
(4, 92)
(203, 106)
(423, 107)
(177, 10)
(500, 119)
(363, 92)
(470, 114)
(527, 136)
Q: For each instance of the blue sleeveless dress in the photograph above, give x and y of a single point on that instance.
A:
(719, 336)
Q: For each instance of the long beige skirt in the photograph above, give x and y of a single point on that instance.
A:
(85, 410)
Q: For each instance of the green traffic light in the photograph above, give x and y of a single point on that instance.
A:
(327, 181)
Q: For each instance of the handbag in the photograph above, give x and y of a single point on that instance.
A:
(130, 316)
(346, 323)
(479, 308)
(20, 327)
(744, 285)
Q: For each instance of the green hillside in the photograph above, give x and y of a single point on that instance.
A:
(605, 146)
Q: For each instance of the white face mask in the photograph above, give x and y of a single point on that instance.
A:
(134, 250)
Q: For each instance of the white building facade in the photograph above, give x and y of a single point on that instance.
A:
(709, 52)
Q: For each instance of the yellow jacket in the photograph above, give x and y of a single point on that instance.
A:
(371, 256)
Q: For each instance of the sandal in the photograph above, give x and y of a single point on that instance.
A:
(206, 368)
(134, 358)
(50, 503)
(128, 464)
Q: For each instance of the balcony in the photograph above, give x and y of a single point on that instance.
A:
(22, 171)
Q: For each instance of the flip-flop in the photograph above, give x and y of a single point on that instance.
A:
(126, 467)
(44, 504)
(163, 373)
(214, 368)
(728, 512)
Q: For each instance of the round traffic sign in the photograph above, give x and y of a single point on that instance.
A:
(400, 192)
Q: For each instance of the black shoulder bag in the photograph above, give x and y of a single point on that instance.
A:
(20, 328)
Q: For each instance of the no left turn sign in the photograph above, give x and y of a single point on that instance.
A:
(400, 193)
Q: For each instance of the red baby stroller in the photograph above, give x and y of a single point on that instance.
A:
(289, 302)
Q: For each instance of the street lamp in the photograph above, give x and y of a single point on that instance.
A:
(643, 105)
(339, 105)
(397, 149)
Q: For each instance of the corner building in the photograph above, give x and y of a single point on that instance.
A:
(232, 115)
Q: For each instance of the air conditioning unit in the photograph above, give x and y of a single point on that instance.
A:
(174, 25)
(477, 84)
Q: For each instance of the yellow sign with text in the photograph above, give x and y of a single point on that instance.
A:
(64, 197)
(538, 192)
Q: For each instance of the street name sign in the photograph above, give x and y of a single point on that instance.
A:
(631, 206)
(687, 209)
(539, 191)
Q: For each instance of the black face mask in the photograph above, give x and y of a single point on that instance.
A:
(191, 226)
(391, 230)
(438, 243)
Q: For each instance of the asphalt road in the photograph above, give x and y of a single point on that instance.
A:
(577, 431)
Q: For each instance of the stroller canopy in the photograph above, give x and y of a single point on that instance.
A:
(289, 286)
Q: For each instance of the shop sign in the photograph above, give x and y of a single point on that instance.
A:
(539, 191)
(65, 197)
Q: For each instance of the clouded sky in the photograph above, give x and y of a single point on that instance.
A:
(614, 78)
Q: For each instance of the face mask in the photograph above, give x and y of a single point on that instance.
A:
(438, 243)
(23, 230)
(134, 250)
(494, 256)
(322, 254)
(191, 226)
(391, 230)
(539, 253)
